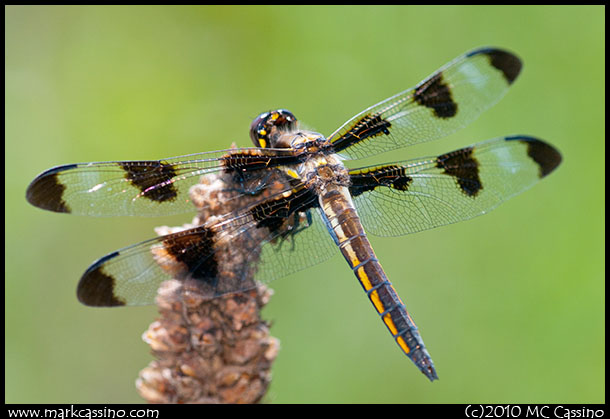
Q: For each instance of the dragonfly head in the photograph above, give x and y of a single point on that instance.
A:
(268, 127)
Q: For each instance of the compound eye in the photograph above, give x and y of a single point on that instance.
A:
(258, 132)
(266, 127)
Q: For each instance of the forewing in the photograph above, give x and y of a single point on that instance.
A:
(146, 188)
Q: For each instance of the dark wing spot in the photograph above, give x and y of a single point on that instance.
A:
(433, 93)
(97, 288)
(361, 183)
(366, 127)
(402, 182)
(46, 191)
(462, 165)
(195, 250)
(391, 176)
(369, 126)
(153, 178)
(546, 156)
(272, 214)
(509, 64)
(242, 162)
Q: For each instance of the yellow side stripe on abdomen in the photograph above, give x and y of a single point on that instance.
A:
(374, 296)
(366, 283)
(387, 319)
(401, 342)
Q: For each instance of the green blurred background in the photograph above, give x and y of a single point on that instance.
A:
(510, 305)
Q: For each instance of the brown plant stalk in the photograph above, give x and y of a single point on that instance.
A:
(210, 350)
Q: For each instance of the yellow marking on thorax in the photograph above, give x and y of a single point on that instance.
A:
(291, 173)
(262, 142)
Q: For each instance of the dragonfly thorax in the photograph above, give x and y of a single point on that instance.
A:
(320, 171)
(304, 141)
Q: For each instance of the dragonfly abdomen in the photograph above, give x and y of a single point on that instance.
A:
(349, 235)
(388, 304)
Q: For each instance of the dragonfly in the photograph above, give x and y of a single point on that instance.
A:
(292, 201)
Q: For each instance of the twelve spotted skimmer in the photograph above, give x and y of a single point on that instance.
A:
(302, 201)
